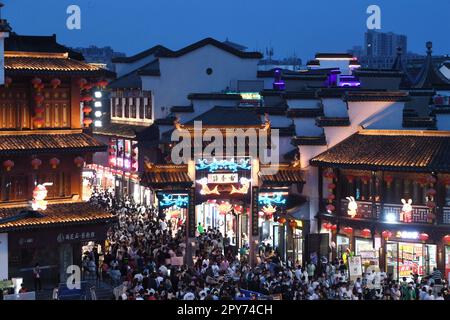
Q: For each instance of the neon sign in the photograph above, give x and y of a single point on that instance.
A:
(243, 164)
(169, 200)
(277, 198)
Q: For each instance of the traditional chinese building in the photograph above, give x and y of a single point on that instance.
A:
(385, 196)
(45, 141)
(231, 193)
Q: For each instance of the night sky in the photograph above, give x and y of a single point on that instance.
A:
(300, 26)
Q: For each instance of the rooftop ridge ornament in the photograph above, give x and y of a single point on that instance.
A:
(243, 164)
(169, 200)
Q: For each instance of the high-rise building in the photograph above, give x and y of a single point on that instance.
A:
(383, 44)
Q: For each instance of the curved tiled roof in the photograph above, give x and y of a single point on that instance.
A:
(15, 218)
(399, 150)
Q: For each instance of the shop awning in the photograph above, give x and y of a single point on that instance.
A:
(166, 176)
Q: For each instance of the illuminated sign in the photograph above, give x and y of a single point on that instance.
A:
(231, 165)
(275, 198)
(177, 200)
(407, 235)
(223, 178)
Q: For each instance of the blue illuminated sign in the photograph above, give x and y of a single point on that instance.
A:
(169, 200)
(277, 198)
(214, 165)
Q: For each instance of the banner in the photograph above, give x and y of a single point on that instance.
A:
(355, 267)
(254, 212)
(3, 256)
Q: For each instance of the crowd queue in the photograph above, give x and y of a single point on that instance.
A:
(144, 259)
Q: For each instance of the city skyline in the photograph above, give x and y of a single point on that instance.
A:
(256, 27)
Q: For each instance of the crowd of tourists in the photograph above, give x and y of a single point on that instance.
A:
(145, 260)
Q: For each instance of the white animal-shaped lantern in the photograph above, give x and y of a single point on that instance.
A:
(406, 214)
(352, 207)
(39, 195)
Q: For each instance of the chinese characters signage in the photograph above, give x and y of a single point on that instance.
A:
(223, 178)
(255, 210)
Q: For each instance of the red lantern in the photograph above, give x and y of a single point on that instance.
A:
(87, 122)
(8, 81)
(87, 99)
(348, 230)
(447, 239)
(40, 87)
(431, 180)
(331, 186)
(87, 109)
(330, 208)
(82, 82)
(8, 164)
(431, 192)
(36, 82)
(54, 162)
(422, 181)
(261, 214)
(333, 227)
(431, 205)
(36, 163)
(293, 224)
(423, 237)
(38, 122)
(350, 178)
(386, 234)
(365, 179)
(326, 225)
(38, 98)
(102, 83)
(282, 220)
(366, 233)
(55, 83)
(331, 197)
(39, 109)
(79, 161)
(388, 179)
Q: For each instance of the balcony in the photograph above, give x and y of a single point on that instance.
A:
(391, 213)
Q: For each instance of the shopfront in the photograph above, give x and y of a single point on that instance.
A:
(54, 249)
(407, 255)
(173, 208)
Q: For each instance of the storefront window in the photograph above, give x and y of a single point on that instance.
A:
(343, 243)
(447, 262)
(365, 249)
(404, 259)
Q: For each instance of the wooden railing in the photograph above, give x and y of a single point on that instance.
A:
(389, 212)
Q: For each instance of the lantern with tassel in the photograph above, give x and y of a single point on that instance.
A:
(8, 165)
(54, 163)
(55, 83)
(8, 81)
(282, 220)
(388, 179)
(87, 122)
(79, 161)
(293, 224)
(348, 230)
(447, 239)
(36, 163)
(366, 233)
(36, 82)
(386, 234)
(423, 237)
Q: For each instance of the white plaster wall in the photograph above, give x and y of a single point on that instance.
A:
(124, 68)
(307, 127)
(445, 71)
(334, 107)
(303, 103)
(443, 122)
(341, 64)
(187, 74)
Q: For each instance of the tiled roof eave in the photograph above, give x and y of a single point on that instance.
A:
(52, 150)
(38, 225)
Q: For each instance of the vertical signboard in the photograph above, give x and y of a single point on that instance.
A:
(254, 213)
(3, 256)
(191, 214)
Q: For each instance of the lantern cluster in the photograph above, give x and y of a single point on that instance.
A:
(39, 109)
(134, 158)
(86, 99)
(330, 178)
(329, 226)
(431, 196)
